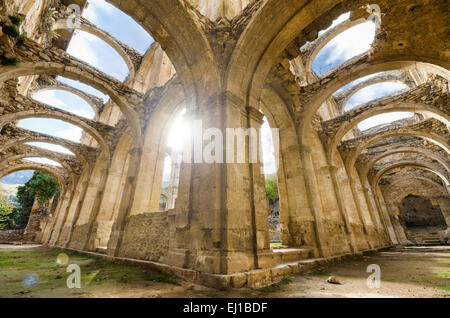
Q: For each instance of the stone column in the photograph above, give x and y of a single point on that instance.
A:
(359, 209)
(312, 192)
(342, 210)
(379, 199)
(126, 203)
(220, 221)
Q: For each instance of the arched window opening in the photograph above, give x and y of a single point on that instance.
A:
(342, 18)
(112, 20)
(23, 197)
(356, 82)
(16, 178)
(98, 53)
(65, 101)
(172, 161)
(166, 172)
(373, 92)
(51, 147)
(177, 133)
(52, 127)
(421, 216)
(346, 45)
(162, 204)
(44, 161)
(383, 119)
(272, 193)
(83, 87)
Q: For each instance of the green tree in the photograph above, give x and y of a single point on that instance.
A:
(41, 187)
(272, 188)
(5, 210)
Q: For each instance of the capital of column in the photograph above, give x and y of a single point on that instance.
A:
(255, 114)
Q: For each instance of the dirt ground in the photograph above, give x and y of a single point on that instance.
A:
(407, 272)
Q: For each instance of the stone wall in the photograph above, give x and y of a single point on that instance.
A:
(146, 236)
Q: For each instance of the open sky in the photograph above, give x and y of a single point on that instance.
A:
(94, 51)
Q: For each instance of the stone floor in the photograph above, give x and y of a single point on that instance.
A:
(406, 272)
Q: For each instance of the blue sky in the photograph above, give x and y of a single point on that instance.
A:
(96, 52)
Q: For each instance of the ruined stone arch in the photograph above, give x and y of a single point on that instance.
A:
(171, 102)
(182, 36)
(423, 151)
(426, 166)
(4, 119)
(441, 141)
(361, 68)
(355, 117)
(36, 154)
(436, 185)
(74, 73)
(327, 37)
(104, 36)
(373, 81)
(44, 139)
(56, 173)
(74, 91)
(274, 107)
(252, 60)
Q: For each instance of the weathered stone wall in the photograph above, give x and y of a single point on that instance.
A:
(420, 212)
(146, 236)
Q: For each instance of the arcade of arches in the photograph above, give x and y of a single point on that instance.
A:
(229, 63)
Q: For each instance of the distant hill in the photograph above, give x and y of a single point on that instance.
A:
(10, 191)
(20, 177)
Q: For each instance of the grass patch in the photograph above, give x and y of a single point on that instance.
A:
(275, 244)
(321, 272)
(161, 278)
(213, 294)
(96, 274)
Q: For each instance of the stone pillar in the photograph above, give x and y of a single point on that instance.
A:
(379, 199)
(220, 222)
(359, 209)
(313, 195)
(59, 215)
(342, 210)
(126, 203)
(40, 212)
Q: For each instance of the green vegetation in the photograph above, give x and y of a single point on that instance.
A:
(5, 210)
(161, 278)
(98, 276)
(41, 187)
(286, 280)
(11, 30)
(16, 20)
(272, 188)
(10, 61)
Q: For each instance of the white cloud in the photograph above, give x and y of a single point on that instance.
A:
(94, 8)
(350, 43)
(49, 97)
(373, 92)
(339, 20)
(73, 134)
(82, 46)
